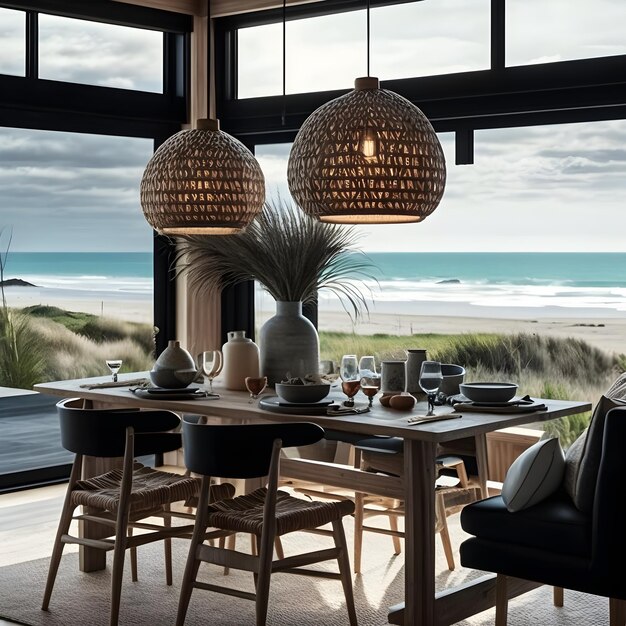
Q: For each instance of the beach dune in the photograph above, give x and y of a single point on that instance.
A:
(601, 328)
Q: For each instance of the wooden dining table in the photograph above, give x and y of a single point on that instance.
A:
(421, 605)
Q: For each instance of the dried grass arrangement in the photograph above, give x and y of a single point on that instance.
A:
(290, 254)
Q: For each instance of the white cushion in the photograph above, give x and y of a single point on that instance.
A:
(534, 475)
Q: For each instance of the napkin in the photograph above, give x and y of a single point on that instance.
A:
(513, 408)
(346, 410)
(119, 383)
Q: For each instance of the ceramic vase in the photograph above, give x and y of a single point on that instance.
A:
(414, 360)
(241, 359)
(174, 368)
(289, 344)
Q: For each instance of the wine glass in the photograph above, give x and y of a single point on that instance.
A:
(370, 379)
(255, 386)
(349, 369)
(349, 372)
(212, 362)
(114, 365)
(430, 381)
(367, 366)
(369, 389)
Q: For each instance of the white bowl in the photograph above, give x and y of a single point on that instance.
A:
(302, 394)
(488, 392)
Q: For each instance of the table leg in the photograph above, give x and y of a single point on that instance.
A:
(482, 462)
(419, 553)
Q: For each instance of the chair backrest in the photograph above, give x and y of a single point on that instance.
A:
(234, 451)
(102, 432)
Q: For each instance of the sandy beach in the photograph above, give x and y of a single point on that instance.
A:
(601, 328)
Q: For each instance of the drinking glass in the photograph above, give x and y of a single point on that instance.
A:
(255, 386)
(367, 366)
(114, 365)
(369, 390)
(349, 372)
(212, 362)
(349, 369)
(370, 379)
(430, 381)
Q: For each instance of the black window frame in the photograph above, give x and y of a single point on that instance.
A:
(502, 96)
(30, 102)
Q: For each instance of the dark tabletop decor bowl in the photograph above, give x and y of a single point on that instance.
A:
(488, 392)
(302, 394)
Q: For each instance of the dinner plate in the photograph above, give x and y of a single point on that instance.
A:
(175, 394)
(514, 402)
(167, 391)
(276, 405)
(305, 404)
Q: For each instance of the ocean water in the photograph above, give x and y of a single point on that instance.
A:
(85, 271)
(594, 281)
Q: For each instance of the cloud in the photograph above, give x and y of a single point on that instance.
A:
(541, 188)
(67, 191)
(100, 54)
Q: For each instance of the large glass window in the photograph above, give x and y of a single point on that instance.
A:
(92, 53)
(543, 32)
(422, 39)
(72, 203)
(329, 52)
(12, 42)
(549, 190)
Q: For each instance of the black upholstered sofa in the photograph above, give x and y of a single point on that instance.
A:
(555, 543)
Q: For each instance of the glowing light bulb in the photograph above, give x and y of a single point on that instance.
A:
(369, 143)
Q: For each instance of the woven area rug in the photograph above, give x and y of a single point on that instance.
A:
(83, 599)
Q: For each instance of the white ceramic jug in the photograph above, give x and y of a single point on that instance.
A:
(241, 359)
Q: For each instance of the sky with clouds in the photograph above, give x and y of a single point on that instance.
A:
(543, 188)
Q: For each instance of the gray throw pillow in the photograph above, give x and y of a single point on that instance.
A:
(573, 456)
(590, 461)
(534, 475)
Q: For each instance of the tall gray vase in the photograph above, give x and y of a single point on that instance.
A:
(289, 344)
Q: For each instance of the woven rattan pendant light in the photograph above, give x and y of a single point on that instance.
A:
(367, 157)
(202, 181)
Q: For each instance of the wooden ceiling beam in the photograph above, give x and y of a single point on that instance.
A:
(219, 8)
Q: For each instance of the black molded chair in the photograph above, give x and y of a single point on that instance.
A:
(553, 542)
(121, 498)
(253, 451)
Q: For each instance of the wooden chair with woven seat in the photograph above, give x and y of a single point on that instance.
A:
(246, 452)
(121, 499)
(385, 455)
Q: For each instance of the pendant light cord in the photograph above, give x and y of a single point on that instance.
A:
(368, 38)
(284, 115)
(209, 60)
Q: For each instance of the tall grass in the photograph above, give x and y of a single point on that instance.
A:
(543, 367)
(22, 357)
(71, 355)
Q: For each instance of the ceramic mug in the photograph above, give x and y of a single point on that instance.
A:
(393, 376)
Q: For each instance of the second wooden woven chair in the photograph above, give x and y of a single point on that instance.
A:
(246, 452)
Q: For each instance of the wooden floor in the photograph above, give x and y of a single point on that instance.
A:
(28, 521)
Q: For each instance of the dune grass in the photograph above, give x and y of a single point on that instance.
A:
(47, 343)
(546, 367)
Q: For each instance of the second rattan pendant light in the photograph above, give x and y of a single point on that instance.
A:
(367, 157)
